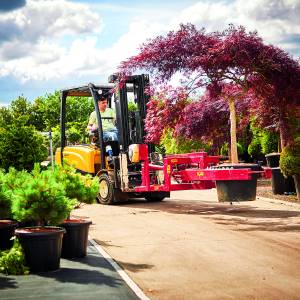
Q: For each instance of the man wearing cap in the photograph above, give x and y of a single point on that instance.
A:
(110, 132)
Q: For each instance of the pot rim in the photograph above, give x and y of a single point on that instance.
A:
(39, 231)
(8, 223)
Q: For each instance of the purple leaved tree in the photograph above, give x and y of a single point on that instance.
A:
(231, 64)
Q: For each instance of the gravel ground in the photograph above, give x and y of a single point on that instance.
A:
(264, 189)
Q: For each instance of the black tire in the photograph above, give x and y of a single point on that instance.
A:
(156, 196)
(106, 190)
(109, 195)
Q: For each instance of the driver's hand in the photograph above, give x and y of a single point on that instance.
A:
(94, 127)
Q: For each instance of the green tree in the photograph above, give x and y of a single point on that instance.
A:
(174, 145)
(78, 109)
(5, 116)
(21, 146)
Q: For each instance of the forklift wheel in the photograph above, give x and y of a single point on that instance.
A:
(106, 190)
(107, 193)
(156, 197)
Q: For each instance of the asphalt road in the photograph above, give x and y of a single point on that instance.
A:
(192, 247)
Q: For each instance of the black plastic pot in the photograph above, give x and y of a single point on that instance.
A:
(273, 160)
(7, 231)
(75, 240)
(42, 247)
(280, 184)
(237, 190)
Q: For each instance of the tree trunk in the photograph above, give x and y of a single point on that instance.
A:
(233, 142)
(297, 185)
(284, 131)
(282, 139)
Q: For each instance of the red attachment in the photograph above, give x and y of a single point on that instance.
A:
(143, 151)
(267, 173)
(190, 171)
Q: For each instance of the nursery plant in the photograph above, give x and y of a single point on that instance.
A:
(82, 189)
(12, 261)
(41, 200)
(290, 163)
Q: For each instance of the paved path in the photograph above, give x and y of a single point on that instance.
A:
(89, 278)
(191, 247)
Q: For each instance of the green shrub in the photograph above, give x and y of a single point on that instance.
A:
(15, 179)
(290, 159)
(5, 199)
(42, 199)
(269, 142)
(263, 141)
(254, 147)
(225, 149)
(83, 188)
(179, 144)
(132, 107)
(12, 262)
(21, 146)
(73, 135)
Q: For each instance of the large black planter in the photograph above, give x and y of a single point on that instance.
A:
(42, 247)
(273, 160)
(237, 190)
(75, 240)
(281, 184)
(7, 230)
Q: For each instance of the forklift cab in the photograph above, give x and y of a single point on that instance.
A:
(130, 124)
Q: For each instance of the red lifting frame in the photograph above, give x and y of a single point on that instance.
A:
(191, 171)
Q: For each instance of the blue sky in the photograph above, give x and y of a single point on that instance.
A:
(47, 45)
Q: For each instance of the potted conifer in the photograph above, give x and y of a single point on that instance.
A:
(42, 200)
(83, 189)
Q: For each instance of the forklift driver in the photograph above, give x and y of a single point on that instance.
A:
(110, 132)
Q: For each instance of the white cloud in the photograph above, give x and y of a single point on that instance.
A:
(47, 60)
(48, 18)
(33, 47)
(211, 15)
(277, 21)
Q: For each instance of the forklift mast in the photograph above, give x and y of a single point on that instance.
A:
(130, 124)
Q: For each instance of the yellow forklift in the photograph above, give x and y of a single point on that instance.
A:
(118, 164)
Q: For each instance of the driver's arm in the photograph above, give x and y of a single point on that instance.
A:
(92, 124)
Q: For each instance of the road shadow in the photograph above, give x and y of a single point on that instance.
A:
(7, 283)
(106, 244)
(135, 268)
(208, 208)
(260, 225)
(249, 217)
(82, 277)
(92, 260)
